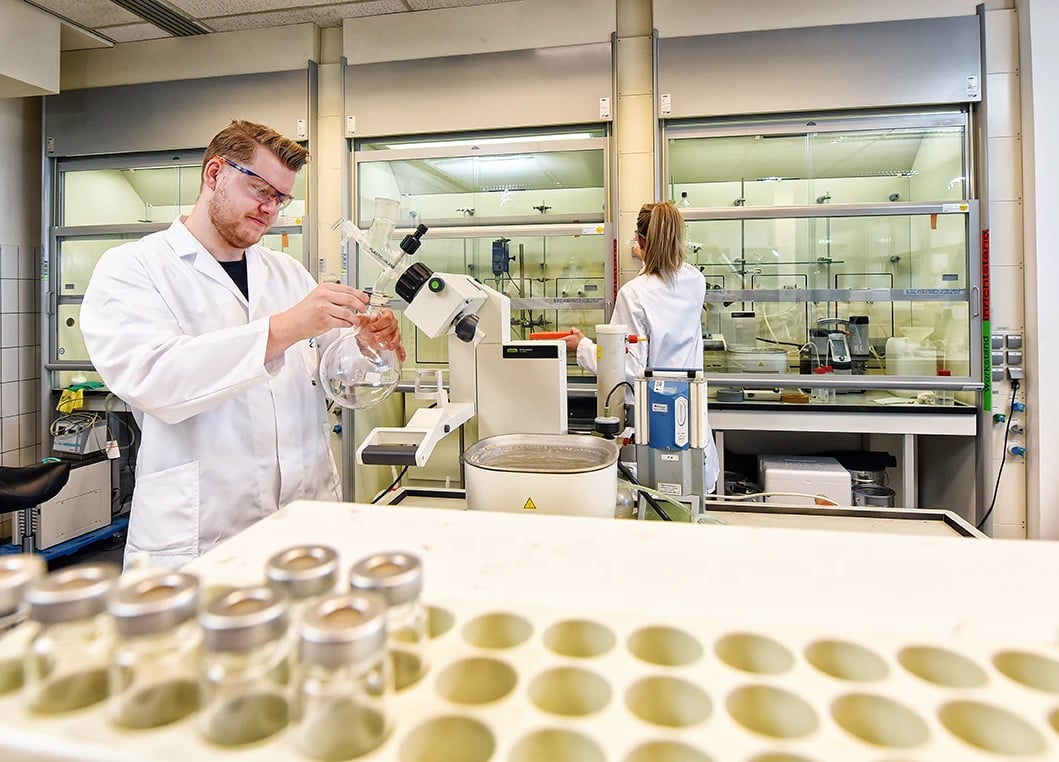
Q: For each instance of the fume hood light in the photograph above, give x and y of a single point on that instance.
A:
(888, 173)
(475, 142)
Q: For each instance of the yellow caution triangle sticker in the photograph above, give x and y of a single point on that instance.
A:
(529, 506)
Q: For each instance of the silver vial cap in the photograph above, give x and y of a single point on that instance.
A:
(15, 573)
(71, 594)
(398, 576)
(304, 570)
(244, 618)
(344, 630)
(154, 604)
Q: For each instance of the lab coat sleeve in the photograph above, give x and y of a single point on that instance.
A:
(628, 311)
(586, 354)
(137, 344)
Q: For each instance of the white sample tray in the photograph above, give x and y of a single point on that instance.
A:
(560, 639)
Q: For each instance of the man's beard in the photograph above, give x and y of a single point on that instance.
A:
(226, 222)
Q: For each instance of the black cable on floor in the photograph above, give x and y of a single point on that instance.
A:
(393, 484)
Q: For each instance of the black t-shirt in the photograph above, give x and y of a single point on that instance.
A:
(237, 272)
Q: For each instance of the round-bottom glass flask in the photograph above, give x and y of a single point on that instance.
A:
(356, 375)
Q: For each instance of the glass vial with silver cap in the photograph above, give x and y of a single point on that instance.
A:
(344, 679)
(154, 668)
(67, 659)
(244, 676)
(303, 573)
(399, 578)
(16, 572)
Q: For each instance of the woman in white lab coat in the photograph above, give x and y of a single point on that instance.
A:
(663, 303)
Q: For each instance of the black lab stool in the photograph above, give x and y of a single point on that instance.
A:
(24, 488)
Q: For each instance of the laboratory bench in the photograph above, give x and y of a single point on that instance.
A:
(869, 413)
(852, 414)
(878, 419)
(556, 637)
(750, 513)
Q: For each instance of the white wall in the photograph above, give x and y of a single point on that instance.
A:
(212, 55)
(20, 189)
(687, 18)
(1006, 271)
(1039, 61)
(523, 25)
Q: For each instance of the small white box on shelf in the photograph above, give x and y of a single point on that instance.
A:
(806, 475)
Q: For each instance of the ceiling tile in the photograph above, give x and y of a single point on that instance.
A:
(322, 15)
(206, 8)
(426, 5)
(133, 32)
(88, 13)
(114, 22)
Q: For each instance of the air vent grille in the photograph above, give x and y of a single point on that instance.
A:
(163, 17)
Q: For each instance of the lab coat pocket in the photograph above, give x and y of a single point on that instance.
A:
(165, 511)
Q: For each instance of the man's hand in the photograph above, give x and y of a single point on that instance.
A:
(573, 340)
(382, 330)
(329, 305)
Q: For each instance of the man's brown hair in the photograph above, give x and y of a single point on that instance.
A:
(239, 139)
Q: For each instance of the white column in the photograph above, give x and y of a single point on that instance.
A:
(635, 122)
(1039, 57)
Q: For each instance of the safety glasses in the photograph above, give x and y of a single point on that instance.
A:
(264, 191)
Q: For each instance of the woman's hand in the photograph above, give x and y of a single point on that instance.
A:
(573, 340)
(635, 248)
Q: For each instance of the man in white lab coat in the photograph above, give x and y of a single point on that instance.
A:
(213, 341)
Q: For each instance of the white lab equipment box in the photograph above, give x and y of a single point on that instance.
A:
(81, 506)
(806, 475)
(522, 388)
